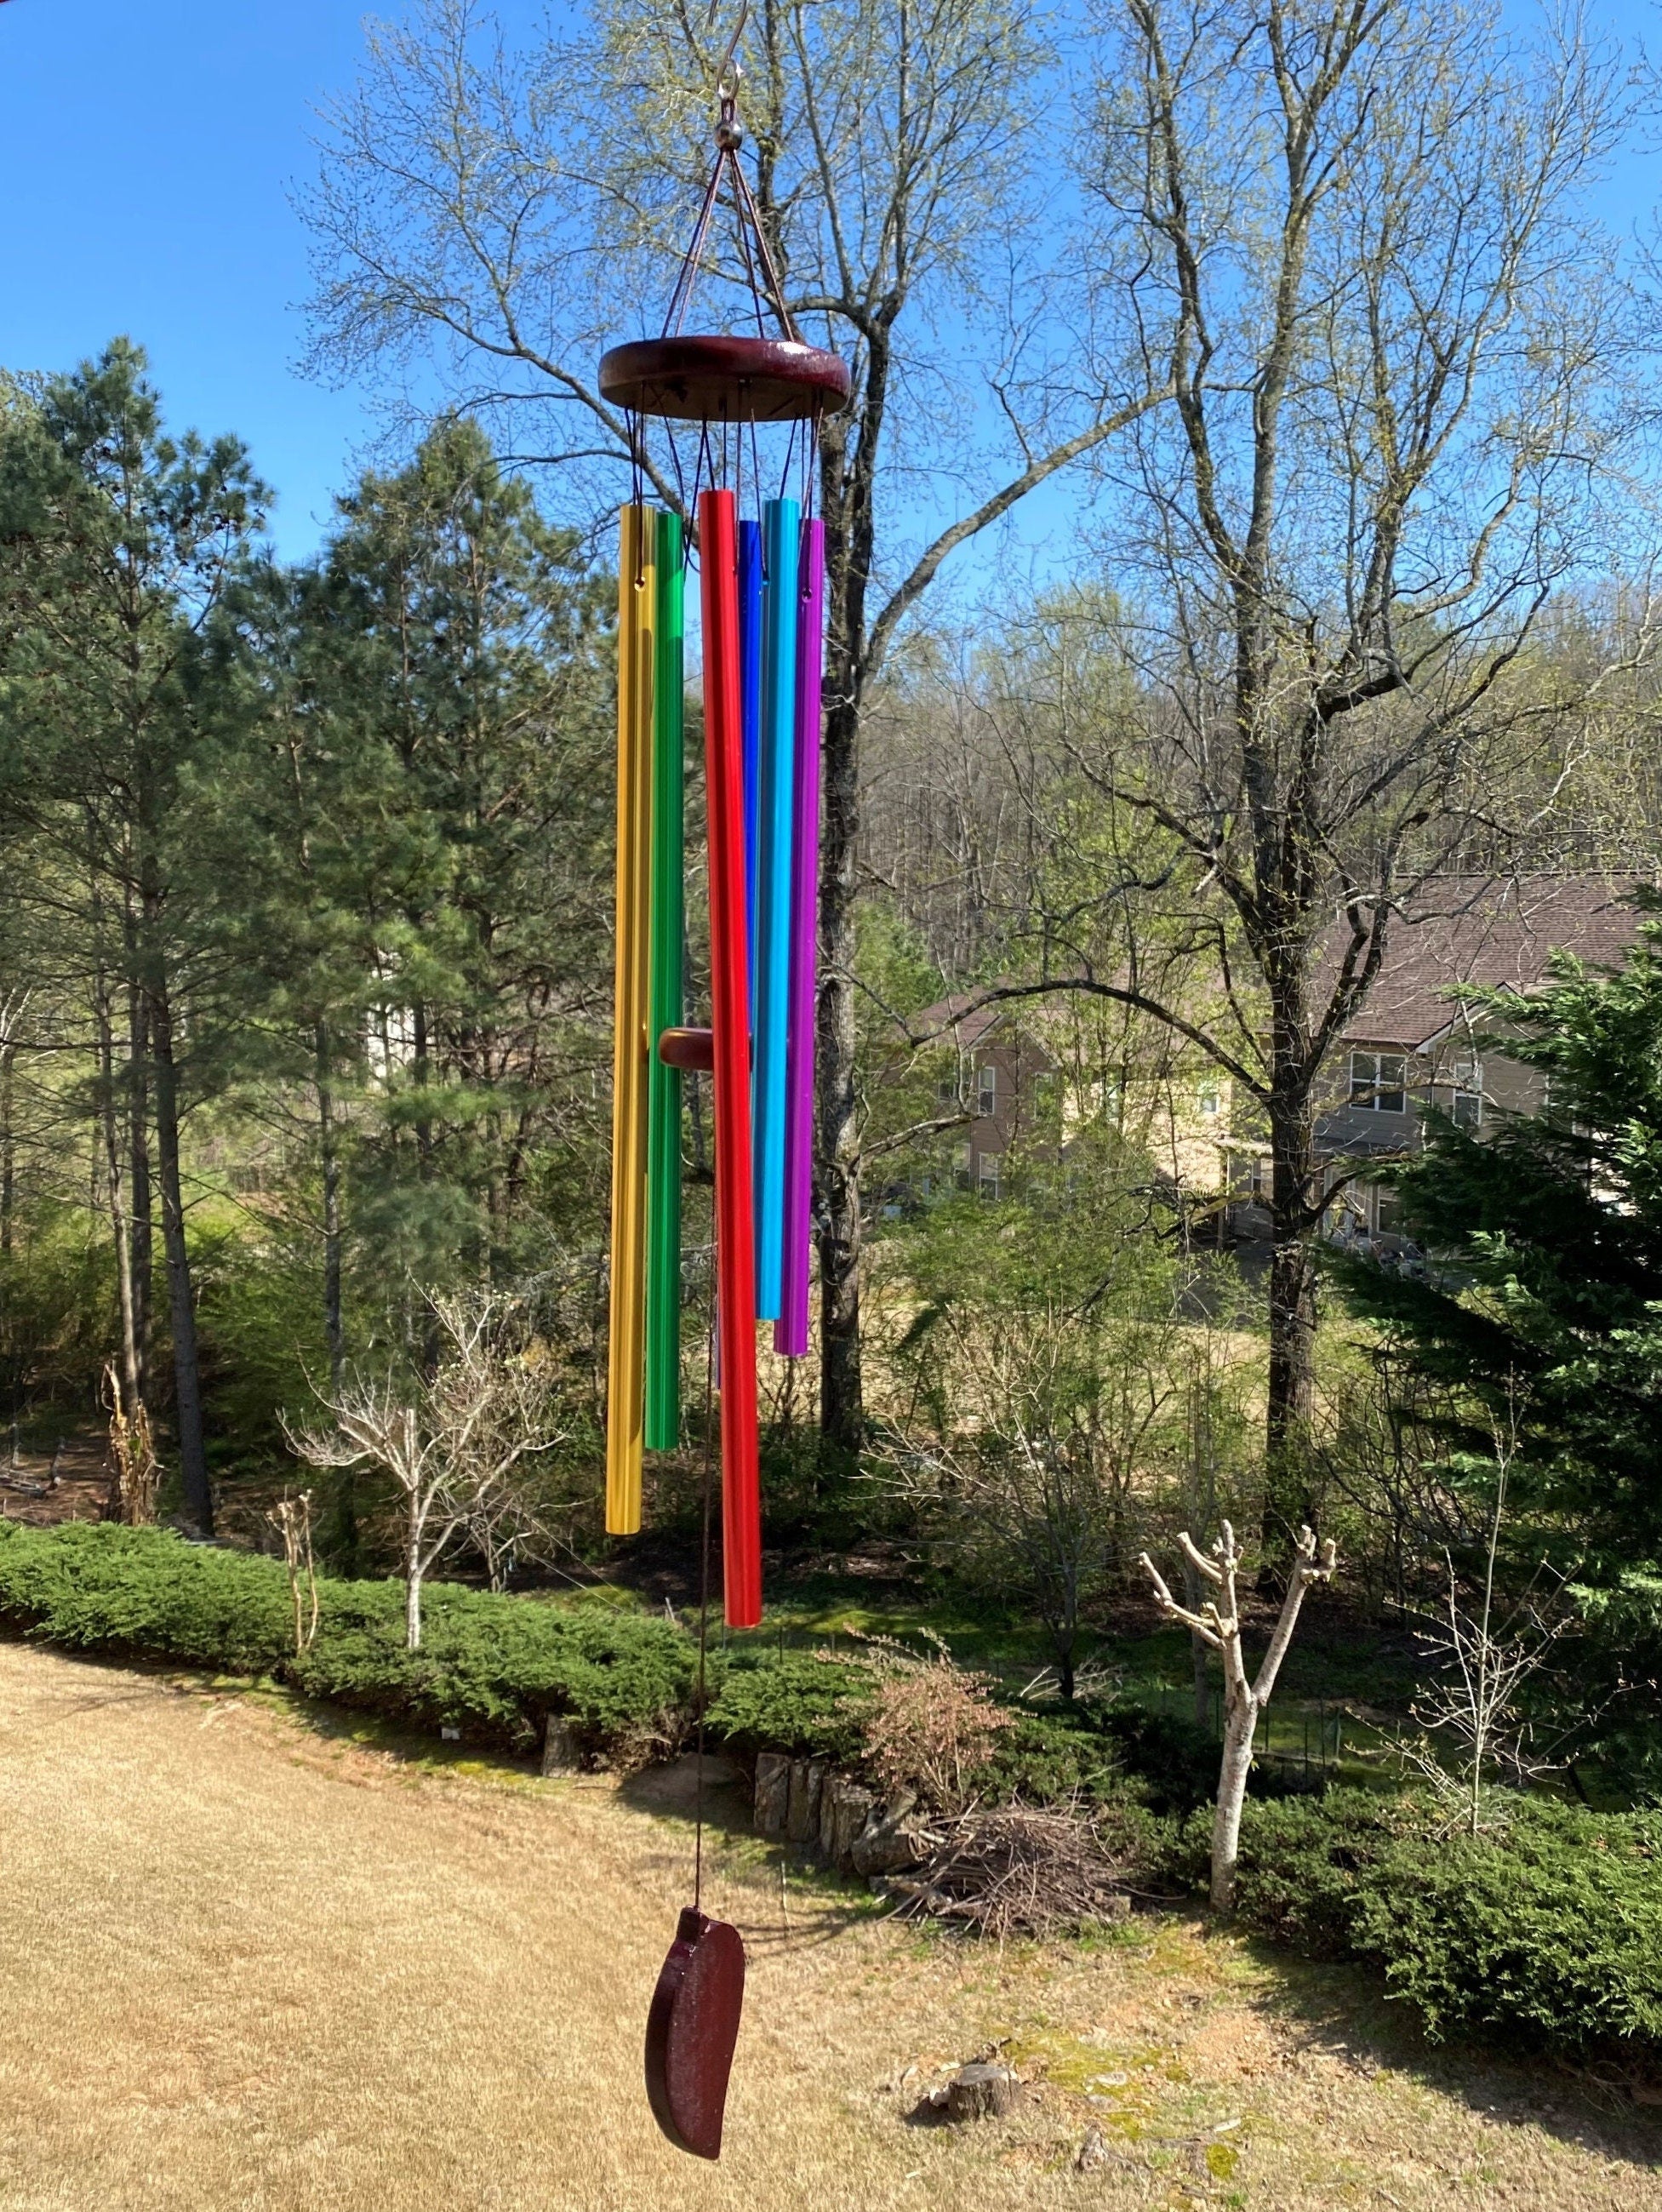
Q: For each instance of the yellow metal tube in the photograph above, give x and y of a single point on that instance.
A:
(627, 1348)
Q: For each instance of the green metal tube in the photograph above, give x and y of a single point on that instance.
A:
(666, 1004)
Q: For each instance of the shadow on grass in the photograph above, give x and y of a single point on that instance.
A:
(1343, 2011)
(420, 1748)
(814, 1907)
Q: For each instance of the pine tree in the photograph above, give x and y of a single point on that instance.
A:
(1542, 1304)
(117, 544)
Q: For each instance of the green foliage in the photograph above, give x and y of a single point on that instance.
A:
(262, 1337)
(794, 1701)
(1547, 1302)
(1040, 1369)
(56, 1322)
(1052, 1758)
(1547, 1930)
(97, 1587)
(495, 1667)
(1176, 1761)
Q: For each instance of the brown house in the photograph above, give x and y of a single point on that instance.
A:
(1000, 1068)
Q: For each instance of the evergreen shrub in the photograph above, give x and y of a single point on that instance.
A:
(1545, 1929)
(494, 1667)
(794, 1701)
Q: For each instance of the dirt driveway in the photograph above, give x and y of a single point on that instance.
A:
(246, 1964)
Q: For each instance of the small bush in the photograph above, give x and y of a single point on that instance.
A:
(94, 1586)
(1552, 1934)
(1044, 1759)
(932, 1726)
(1178, 1761)
(1302, 1863)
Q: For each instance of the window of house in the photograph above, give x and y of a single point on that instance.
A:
(1210, 1099)
(946, 1091)
(961, 1167)
(1387, 1210)
(989, 1174)
(1378, 1082)
(986, 1091)
(1466, 1102)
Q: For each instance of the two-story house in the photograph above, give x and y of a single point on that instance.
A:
(1030, 1076)
(1413, 1045)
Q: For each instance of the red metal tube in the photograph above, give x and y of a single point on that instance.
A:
(736, 1265)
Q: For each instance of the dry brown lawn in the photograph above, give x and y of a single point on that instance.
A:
(246, 1964)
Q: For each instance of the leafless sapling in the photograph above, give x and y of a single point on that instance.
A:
(1218, 1625)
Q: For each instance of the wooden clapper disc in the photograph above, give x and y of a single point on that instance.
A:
(691, 2030)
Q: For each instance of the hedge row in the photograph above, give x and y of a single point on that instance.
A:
(1545, 1929)
(493, 1667)
(1548, 1929)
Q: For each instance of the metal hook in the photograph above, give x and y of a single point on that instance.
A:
(724, 90)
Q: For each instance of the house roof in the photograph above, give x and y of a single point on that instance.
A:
(1498, 931)
(961, 1018)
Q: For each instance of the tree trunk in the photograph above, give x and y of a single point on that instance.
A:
(141, 1261)
(333, 1324)
(120, 1228)
(8, 1148)
(842, 1402)
(181, 1305)
(1240, 1725)
(1296, 1211)
(342, 1536)
(413, 1579)
(1203, 1677)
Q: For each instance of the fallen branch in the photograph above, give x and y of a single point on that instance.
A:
(1016, 1870)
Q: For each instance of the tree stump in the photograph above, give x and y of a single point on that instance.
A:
(772, 1792)
(981, 2093)
(890, 1839)
(559, 1746)
(1094, 2152)
(801, 1819)
(845, 1810)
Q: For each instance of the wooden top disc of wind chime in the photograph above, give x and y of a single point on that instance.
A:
(724, 378)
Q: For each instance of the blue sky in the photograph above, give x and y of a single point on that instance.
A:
(146, 156)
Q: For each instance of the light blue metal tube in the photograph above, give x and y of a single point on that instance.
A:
(750, 683)
(780, 535)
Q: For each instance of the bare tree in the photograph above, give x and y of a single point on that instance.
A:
(1487, 1655)
(451, 1444)
(1393, 335)
(1056, 1419)
(1218, 1626)
(292, 1519)
(508, 214)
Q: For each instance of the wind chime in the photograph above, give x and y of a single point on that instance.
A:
(760, 589)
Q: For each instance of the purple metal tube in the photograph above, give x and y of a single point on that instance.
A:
(791, 1329)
